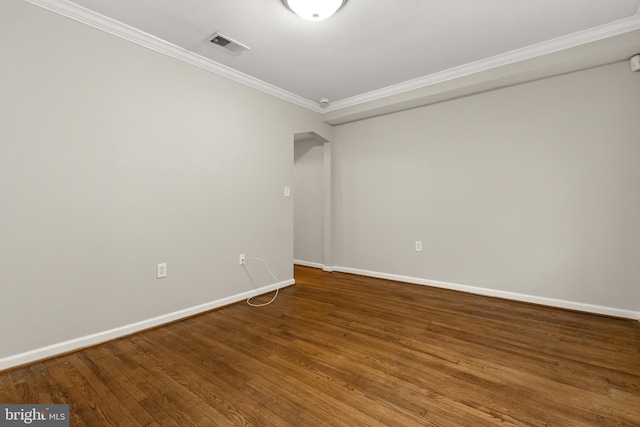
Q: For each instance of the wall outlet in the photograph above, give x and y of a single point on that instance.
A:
(162, 270)
(418, 246)
(242, 258)
(287, 191)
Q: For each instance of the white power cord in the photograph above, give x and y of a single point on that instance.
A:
(272, 275)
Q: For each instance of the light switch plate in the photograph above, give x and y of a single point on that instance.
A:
(162, 270)
(635, 62)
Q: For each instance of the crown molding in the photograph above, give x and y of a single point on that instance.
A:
(111, 26)
(540, 49)
(118, 29)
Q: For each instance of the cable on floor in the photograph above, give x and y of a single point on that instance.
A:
(274, 278)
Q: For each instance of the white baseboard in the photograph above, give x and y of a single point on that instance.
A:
(308, 263)
(93, 339)
(313, 265)
(589, 308)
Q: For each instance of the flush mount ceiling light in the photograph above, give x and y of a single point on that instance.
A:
(314, 10)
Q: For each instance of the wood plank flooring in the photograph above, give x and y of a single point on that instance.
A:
(344, 350)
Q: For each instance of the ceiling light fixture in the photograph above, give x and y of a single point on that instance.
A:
(314, 10)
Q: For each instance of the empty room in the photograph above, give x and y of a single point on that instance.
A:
(310, 213)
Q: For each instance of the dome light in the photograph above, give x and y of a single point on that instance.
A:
(314, 10)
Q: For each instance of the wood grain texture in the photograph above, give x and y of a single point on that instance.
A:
(345, 350)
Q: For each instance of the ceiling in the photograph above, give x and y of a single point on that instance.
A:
(371, 49)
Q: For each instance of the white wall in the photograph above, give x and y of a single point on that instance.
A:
(531, 189)
(308, 177)
(114, 158)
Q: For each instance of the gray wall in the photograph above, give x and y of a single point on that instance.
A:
(114, 158)
(531, 189)
(308, 177)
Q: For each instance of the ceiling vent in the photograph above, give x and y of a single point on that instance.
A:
(228, 43)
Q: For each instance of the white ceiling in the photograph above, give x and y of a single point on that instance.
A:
(370, 48)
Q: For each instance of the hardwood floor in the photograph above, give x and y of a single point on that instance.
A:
(345, 350)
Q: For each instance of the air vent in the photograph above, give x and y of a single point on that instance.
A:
(228, 43)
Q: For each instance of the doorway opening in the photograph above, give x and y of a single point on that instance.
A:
(312, 201)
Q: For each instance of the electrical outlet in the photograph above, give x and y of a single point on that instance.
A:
(242, 258)
(162, 270)
(287, 191)
(418, 246)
